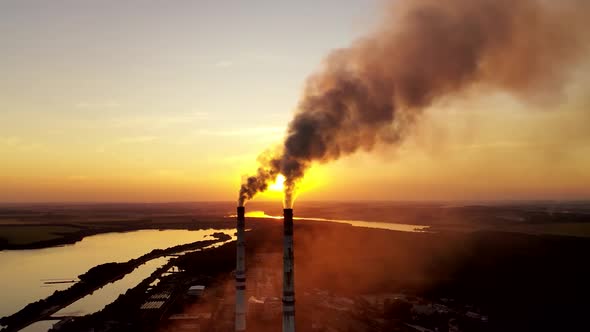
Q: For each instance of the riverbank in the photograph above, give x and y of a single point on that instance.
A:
(36, 229)
(92, 280)
(208, 267)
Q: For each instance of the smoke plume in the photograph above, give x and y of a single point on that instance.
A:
(374, 91)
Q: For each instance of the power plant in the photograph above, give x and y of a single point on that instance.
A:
(288, 273)
(241, 272)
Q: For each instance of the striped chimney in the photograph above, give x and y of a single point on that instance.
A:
(241, 273)
(288, 273)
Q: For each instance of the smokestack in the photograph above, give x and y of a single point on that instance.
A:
(241, 273)
(288, 273)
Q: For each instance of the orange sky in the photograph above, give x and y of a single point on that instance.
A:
(133, 111)
(466, 150)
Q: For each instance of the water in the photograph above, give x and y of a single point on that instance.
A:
(42, 326)
(22, 272)
(100, 298)
(356, 223)
(96, 301)
(376, 224)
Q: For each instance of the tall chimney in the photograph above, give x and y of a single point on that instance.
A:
(241, 273)
(288, 273)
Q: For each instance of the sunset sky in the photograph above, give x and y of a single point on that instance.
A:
(150, 101)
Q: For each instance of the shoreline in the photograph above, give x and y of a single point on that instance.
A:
(65, 239)
(93, 279)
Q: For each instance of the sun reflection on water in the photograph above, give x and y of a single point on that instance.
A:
(355, 223)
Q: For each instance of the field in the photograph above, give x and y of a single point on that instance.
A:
(20, 235)
(45, 225)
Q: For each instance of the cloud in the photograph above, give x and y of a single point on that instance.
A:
(496, 145)
(77, 178)
(236, 159)
(245, 132)
(254, 57)
(13, 143)
(184, 118)
(9, 141)
(170, 173)
(158, 121)
(137, 139)
(265, 57)
(97, 105)
(224, 63)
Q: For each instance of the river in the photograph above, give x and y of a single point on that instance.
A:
(356, 223)
(24, 272)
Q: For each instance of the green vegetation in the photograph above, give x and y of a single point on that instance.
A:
(29, 234)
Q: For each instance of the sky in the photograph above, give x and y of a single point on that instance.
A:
(159, 101)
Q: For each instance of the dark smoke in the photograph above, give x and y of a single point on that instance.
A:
(373, 92)
(267, 172)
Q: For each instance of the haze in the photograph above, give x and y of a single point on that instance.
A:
(144, 101)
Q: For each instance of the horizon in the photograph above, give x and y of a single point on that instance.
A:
(482, 202)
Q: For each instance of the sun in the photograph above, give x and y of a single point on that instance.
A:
(278, 185)
(315, 178)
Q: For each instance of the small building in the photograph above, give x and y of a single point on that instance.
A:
(423, 309)
(418, 328)
(162, 296)
(476, 316)
(152, 305)
(441, 308)
(196, 290)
